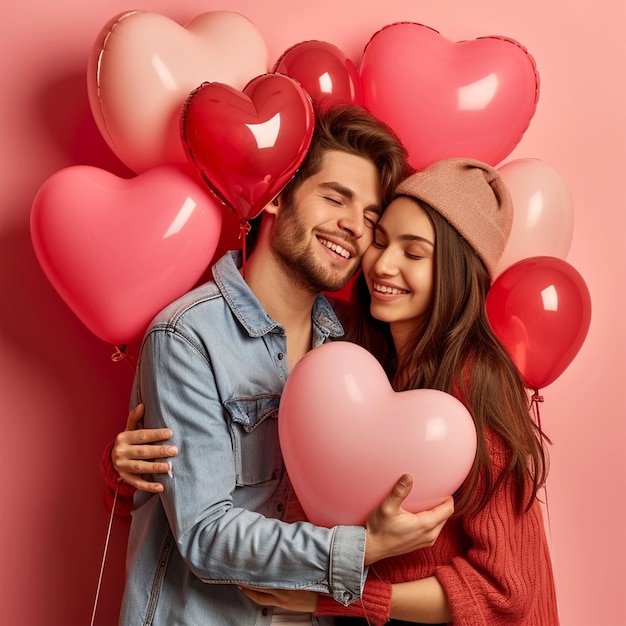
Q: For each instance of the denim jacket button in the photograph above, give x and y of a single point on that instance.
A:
(281, 356)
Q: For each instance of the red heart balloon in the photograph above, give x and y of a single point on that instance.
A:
(327, 74)
(248, 145)
(444, 99)
(117, 250)
(347, 437)
(540, 309)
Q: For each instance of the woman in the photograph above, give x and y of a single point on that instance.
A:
(421, 311)
(421, 299)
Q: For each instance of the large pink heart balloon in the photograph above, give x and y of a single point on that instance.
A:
(116, 250)
(347, 437)
(143, 66)
(543, 217)
(444, 99)
(248, 145)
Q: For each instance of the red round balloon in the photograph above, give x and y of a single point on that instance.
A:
(540, 309)
(248, 144)
(327, 74)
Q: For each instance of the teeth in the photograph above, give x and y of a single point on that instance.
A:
(335, 248)
(388, 290)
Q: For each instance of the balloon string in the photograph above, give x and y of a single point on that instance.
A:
(545, 491)
(121, 354)
(365, 613)
(104, 556)
(535, 400)
(244, 229)
(534, 403)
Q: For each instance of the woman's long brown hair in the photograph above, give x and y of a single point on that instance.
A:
(456, 351)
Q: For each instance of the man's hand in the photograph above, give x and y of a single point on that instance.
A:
(132, 452)
(391, 530)
(292, 600)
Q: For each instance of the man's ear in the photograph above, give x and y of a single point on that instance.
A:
(272, 207)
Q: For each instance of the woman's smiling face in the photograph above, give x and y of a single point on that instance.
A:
(399, 265)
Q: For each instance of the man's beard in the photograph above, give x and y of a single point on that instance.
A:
(288, 245)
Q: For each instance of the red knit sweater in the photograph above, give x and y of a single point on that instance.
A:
(112, 482)
(494, 567)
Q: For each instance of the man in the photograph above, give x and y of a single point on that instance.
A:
(212, 368)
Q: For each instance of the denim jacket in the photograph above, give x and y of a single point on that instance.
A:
(212, 367)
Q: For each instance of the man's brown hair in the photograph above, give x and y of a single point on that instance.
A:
(351, 129)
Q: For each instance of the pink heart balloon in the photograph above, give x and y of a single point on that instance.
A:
(143, 66)
(248, 145)
(444, 99)
(347, 437)
(116, 250)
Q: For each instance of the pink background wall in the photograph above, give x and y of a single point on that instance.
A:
(63, 398)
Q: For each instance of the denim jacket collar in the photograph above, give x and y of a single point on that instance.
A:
(249, 311)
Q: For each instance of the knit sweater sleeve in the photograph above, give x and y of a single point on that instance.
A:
(505, 576)
(113, 483)
(373, 605)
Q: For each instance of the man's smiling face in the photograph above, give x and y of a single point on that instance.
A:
(321, 237)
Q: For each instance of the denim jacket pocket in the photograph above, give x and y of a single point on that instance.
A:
(254, 430)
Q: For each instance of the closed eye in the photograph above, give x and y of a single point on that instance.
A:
(371, 219)
(379, 236)
(338, 202)
(378, 242)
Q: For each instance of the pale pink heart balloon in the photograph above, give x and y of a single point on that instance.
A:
(143, 66)
(116, 250)
(543, 216)
(445, 99)
(347, 437)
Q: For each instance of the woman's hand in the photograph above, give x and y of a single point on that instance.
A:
(133, 451)
(292, 600)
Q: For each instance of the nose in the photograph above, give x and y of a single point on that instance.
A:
(352, 220)
(386, 263)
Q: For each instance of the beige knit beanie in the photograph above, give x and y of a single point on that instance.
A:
(472, 197)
